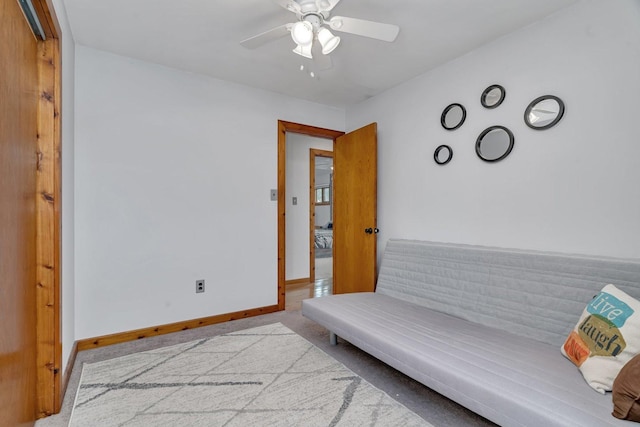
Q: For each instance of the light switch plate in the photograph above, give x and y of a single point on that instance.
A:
(274, 195)
(294, 200)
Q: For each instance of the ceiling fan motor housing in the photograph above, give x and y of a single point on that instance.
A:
(313, 7)
(314, 19)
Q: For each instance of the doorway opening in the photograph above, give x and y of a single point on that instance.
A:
(288, 205)
(321, 221)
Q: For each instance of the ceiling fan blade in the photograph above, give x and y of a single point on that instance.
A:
(290, 5)
(360, 27)
(266, 37)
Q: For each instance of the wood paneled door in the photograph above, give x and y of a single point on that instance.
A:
(30, 345)
(354, 210)
(18, 118)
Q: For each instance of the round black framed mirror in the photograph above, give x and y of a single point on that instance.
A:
(453, 116)
(494, 143)
(492, 96)
(544, 112)
(443, 154)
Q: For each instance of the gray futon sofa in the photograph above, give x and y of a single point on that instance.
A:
(483, 326)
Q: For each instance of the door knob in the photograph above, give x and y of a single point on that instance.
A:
(368, 230)
(376, 231)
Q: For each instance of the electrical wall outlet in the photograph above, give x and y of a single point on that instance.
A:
(199, 286)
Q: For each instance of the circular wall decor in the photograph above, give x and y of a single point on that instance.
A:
(453, 116)
(544, 112)
(494, 143)
(492, 96)
(443, 154)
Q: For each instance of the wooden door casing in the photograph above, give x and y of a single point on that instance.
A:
(283, 128)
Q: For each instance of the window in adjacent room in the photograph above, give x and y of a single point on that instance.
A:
(323, 195)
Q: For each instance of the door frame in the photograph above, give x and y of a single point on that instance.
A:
(50, 388)
(283, 128)
(313, 153)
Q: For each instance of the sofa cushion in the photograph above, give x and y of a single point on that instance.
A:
(606, 337)
(626, 391)
(509, 379)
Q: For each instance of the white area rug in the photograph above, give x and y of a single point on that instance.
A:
(265, 376)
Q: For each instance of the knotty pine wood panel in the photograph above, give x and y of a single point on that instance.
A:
(49, 342)
(18, 124)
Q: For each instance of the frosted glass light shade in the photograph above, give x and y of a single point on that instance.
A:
(303, 51)
(302, 33)
(328, 41)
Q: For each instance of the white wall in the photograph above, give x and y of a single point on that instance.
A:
(323, 215)
(68, 250)
(323, 212)
(572, 188)
(173, 172)
(297, 217)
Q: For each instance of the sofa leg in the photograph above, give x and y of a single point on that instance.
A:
(333, 338)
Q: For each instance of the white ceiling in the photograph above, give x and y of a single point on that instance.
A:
(203, 36)
(324, 163)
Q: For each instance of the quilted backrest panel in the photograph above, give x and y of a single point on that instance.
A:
(535, 294)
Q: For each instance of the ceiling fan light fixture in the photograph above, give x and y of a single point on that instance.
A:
(302, 33)
(328, 41)
(304, 51)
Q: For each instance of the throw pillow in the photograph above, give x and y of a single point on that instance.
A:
(626, 391)
(606, 337)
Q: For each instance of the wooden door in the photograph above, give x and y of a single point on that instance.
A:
(30, 170)
(354, 211)
(18, 147)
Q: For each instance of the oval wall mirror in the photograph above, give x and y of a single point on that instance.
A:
(443, 155)
(453, 116)
(494, 143)
(492, 96)
(544, 112)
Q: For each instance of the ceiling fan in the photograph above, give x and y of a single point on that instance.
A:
(313, 18)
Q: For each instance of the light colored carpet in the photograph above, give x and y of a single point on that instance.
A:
(263, 376)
